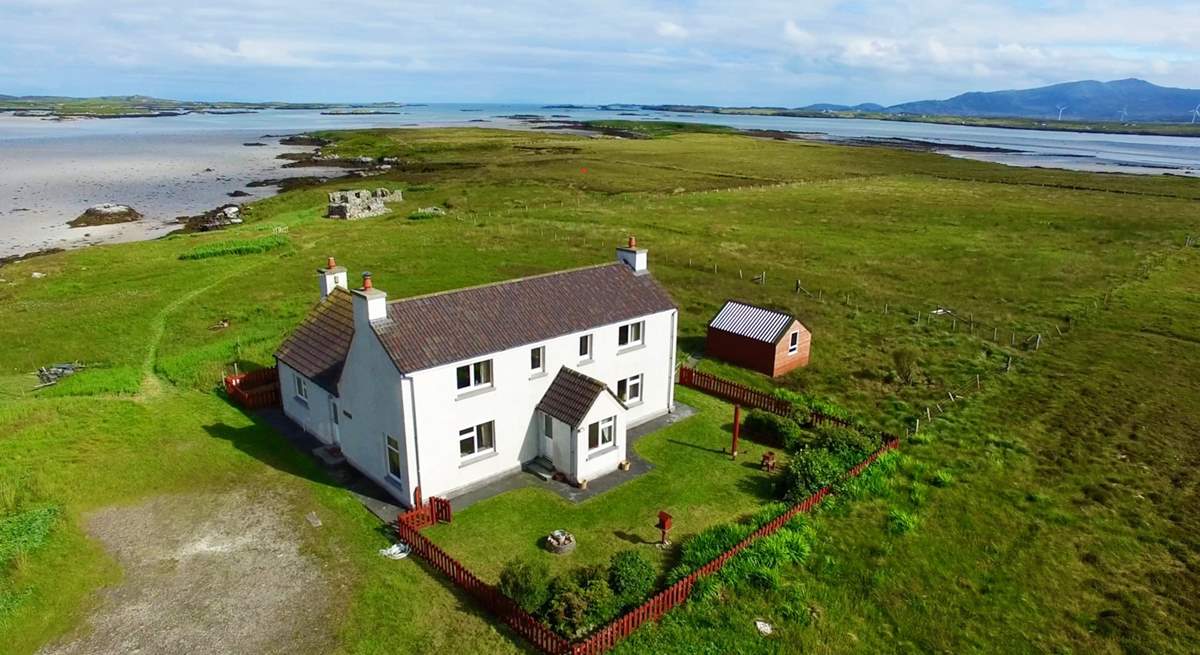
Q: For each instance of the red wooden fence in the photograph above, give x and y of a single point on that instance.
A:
(255, 389)
(409, 525)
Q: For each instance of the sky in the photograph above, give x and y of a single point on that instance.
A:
(735, 52)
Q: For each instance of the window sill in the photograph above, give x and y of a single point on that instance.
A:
(477, 457)
(631, 348)
(300, 400)
(585, 362)
(630, 405)
(471, 393)
(394, 481)
(604, 450)
(539, 374)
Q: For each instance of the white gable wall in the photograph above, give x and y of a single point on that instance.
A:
(373, 404)
(591, 464)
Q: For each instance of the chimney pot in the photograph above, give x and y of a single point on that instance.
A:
(632, 242)
(331, 263)
(367, 281)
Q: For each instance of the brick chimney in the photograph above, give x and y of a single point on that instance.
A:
(370, 304)
(634, 257)
(332, 277)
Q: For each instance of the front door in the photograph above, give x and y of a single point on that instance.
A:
(546, 440)
(334, 429)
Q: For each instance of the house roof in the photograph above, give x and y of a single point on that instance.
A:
(317, 348)
(571, 395)
(433, 330)
(751, 321)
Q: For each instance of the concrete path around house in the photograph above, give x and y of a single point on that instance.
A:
(214, 573)
(522, 479)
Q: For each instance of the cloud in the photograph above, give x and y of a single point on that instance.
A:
(748, 52)
(669, 30)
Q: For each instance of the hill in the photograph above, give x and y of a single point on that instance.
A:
(1125, 100)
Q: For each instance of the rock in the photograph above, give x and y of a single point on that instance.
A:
(764, 628)
(36, 275)
(237, 194)
(106, 214)
(231, 212)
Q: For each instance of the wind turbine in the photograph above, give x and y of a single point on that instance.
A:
(1195, 113)
(1124, 113)
(1061, 109)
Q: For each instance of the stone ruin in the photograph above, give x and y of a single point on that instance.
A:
(360, 203)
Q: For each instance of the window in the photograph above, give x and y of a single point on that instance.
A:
(537, 359)
(547, 426)
(477, 439)
(602, 433)
(630, 334)
(301, 387)
(629, 390)
(393, 456)
(475, 375)
(585, 347)
(794, 344)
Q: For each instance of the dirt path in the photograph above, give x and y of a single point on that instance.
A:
(206, 573)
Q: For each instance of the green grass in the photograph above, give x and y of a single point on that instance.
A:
(236, 247)
(1070, 520)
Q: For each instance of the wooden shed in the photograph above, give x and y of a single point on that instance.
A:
(760, 339)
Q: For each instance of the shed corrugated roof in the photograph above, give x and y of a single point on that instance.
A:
(751, 321)
(571, 396)
(318, 347)
(442, 328)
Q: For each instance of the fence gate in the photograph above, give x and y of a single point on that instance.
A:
(441, 509)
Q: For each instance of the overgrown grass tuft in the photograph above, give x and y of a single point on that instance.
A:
(25, 531)
(239, 247)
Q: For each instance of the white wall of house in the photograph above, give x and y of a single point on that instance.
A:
(442, 411)
(373, 403)
(314, 413)
(593, 463)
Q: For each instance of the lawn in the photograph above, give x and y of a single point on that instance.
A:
(693, 479)
(1068, 517)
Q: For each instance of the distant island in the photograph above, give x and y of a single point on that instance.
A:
(65, 107)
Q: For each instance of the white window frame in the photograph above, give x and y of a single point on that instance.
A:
(540, 353)
(586, 346)
(475, 434)
(605, 426)
(476, 372)
(391, 446)
(631, 334)
(301, 387)
(794, 342)
(625, 386)
(547, 426)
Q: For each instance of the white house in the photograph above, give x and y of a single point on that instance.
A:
(448, 391)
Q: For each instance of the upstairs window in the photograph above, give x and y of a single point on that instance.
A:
(537, 359)
(630, 334)
(629, 390)
(794, 344)
(477, 439)
(474, 376)
(602, 433)
(585, 347)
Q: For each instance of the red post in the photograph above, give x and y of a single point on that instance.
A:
(737, 429)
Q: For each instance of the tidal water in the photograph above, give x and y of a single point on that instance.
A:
(51, 171)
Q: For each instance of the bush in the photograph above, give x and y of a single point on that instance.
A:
(905, 360)
(807, 472)
(527, 582)
(580, 602)
(849, 445)
(631, 577)
(773, 428)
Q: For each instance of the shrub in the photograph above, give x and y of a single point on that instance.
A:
(905, 360)
(527, 582)
(631, 577)
(807, 472)
(849, 445)
(580, 602)
(239, 247)
(773, 428)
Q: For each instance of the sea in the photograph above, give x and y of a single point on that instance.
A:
(167, 167)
